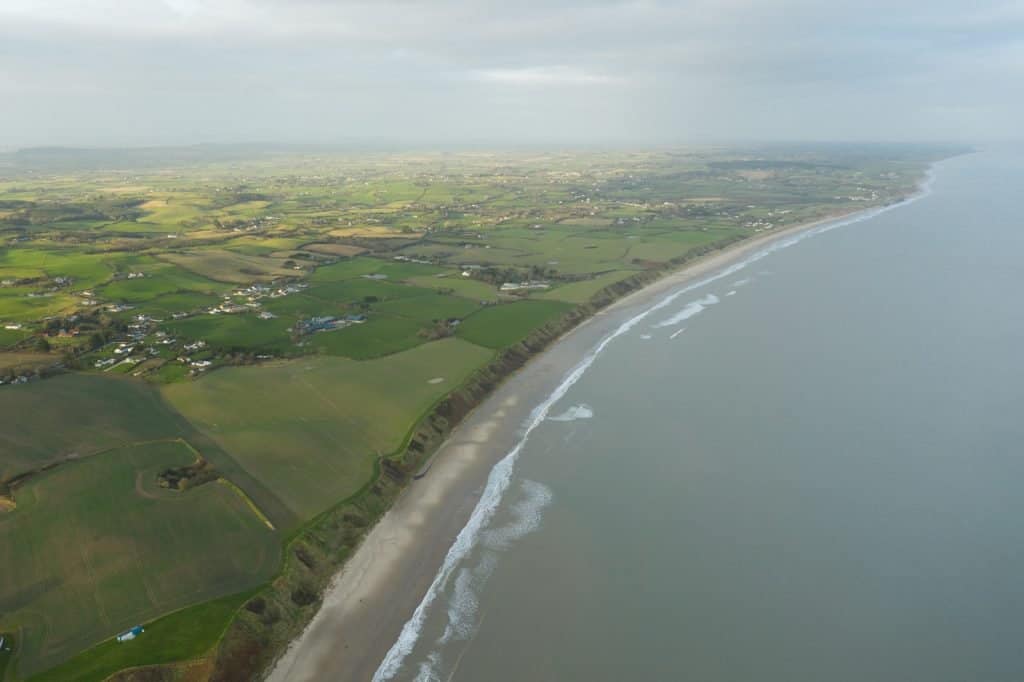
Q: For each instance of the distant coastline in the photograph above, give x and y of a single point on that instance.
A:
(370, 600)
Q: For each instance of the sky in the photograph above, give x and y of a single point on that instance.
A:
(451, 72)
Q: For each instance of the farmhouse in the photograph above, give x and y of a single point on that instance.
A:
(519, 286)
(228, 308)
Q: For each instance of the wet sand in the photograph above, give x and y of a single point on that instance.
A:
(373, 596)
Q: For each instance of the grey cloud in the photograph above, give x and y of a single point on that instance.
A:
(175, 71)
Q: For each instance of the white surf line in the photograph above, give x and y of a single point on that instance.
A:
(692, 308)
(677, 333)
(501, 475)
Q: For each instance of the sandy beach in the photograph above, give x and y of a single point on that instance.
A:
(371, 599)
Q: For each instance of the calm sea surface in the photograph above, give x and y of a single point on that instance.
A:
(809, 470)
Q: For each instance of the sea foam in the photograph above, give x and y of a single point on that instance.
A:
(692, 308)
(581, 411)
(464, 601)
(501, 475)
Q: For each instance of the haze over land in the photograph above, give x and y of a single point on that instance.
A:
(102, 72)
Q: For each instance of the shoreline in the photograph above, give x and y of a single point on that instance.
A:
(369, 601)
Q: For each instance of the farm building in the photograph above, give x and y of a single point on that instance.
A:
(129, 635)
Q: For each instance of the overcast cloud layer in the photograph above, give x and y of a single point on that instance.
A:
(111, 72)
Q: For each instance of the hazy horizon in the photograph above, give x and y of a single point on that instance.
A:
(98, 73)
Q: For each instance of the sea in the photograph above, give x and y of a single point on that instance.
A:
(808, 466)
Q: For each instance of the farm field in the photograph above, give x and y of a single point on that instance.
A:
(290, 316)
(108, 412)
(95, 547)
(179, 636)
(583, 291)
(310, 429)
(503, 325)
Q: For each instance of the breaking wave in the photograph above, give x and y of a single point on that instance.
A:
(464, 601)
(582, 411)
(692, 308)
(501, 475)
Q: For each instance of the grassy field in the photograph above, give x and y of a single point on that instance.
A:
(458, 285)
(229, 332)
(9, 337)
(76, 414)
(159, 281)
(23, 361)
(95, 547)
(310, 429)
(179, 636)
(229, 266)
(430, 307)
(357, 267)
(505, 324)
(380, 336)
(581, 292)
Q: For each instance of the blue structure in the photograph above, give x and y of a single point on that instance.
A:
(129, 635)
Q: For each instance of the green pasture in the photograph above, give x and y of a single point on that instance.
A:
(310, 429)
(362, 289)
(241, 331)
(460, 286)
(183, 635)
(429, 307)
(364, 265)
(85, 269)
(95, 547)
(159, 280)
(17, 306)
(584, 290)
(505, 324)
(84, 414)
(380, 335)
(227, 266)
(79, 414)
(664, 247)
(9, 337)
(180, 302)
(264, 246)
(299, 305)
